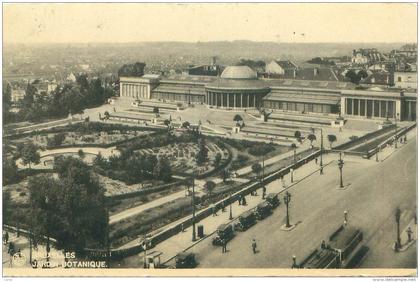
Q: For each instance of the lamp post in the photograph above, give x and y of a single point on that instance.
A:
(193, 208)
(397, 219)
(145, 251)
(230, 206)
(340, 166)
(321, 170)
(262, 179)
(287, 197)
(291, 175)
(377, 152)
(294, 265)
(48, 232)
(396, 130)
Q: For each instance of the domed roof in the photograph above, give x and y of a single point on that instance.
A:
(239, 72)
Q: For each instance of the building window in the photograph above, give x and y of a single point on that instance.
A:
(349, 106)
(376, 108)
(356, 107)
(383, 109)
(362, 110)
(399, 79)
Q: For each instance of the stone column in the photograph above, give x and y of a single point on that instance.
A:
(234, 100)
(409, 110)
(366, 108)
(352, 106)
(343, 106)
(255, 101)
(359, 109)
(242, 105)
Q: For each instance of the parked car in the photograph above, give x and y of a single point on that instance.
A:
(185, 260)
(263, 210)
(273, 199)
(223, 232)
(245, 221)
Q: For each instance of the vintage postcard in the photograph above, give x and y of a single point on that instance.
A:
(209, 139)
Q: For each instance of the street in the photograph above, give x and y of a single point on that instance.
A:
(375, 191)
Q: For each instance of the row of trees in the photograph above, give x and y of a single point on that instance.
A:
(70, 209)
(135, 168)
(71, 98)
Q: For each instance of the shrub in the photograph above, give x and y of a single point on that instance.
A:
(261, 149)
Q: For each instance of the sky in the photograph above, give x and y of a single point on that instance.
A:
(281, 22)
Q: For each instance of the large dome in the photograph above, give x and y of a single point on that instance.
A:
(239, 72)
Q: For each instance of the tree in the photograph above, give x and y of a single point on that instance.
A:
(10, 171)
(81, 154)
(202, 154)
(225, 175)
(136, 69)
(331, 139)
(185, 124)
(106, 114)
(256, 168)
(70, 209)
(209, 186)
(156, 111)
(298, 136)
(57, 140)
(311, 138)
(217, 159)
(237, 118)
(293, 146)
(167, 122)
(30, 154)
(162, 170)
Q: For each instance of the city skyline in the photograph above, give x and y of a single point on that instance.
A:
(187, 22)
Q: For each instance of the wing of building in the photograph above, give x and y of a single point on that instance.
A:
(313, 91)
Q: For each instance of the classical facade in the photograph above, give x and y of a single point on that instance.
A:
(238, 87)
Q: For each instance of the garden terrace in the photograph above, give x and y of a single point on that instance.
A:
(132, 117)
(265, 130)
(161, 105)
(302, 129)
(301, 119)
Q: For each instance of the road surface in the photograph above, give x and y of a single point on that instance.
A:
(375, 190)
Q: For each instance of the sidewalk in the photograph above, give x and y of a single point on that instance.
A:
(21, 242)
(248, 169)
(183, 240)
(136, 210)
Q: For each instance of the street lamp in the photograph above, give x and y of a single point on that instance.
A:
(377, 152)
(340, 166)
(193, 208)
(287, 197)
(145, 244)
(397, 219)
(291, 175)
(396, 129)
(48, 233)
(321, 170)
(294, 265)
(230, 206)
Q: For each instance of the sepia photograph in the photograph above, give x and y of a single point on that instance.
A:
(209, 139)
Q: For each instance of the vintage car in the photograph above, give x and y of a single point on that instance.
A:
(245, 221)
(185, 260)
(273, 199)
(223, 232)
(263, 210)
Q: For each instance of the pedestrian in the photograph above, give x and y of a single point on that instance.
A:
(240, 200)
(264, 192)
(6, 237)
(223, 246)
(213, 210)
(11, 249)
(323, 246)
(345, 215)
(243, 201)
(182, 227)
(316, 160)
(254, 246)
(409, 232)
